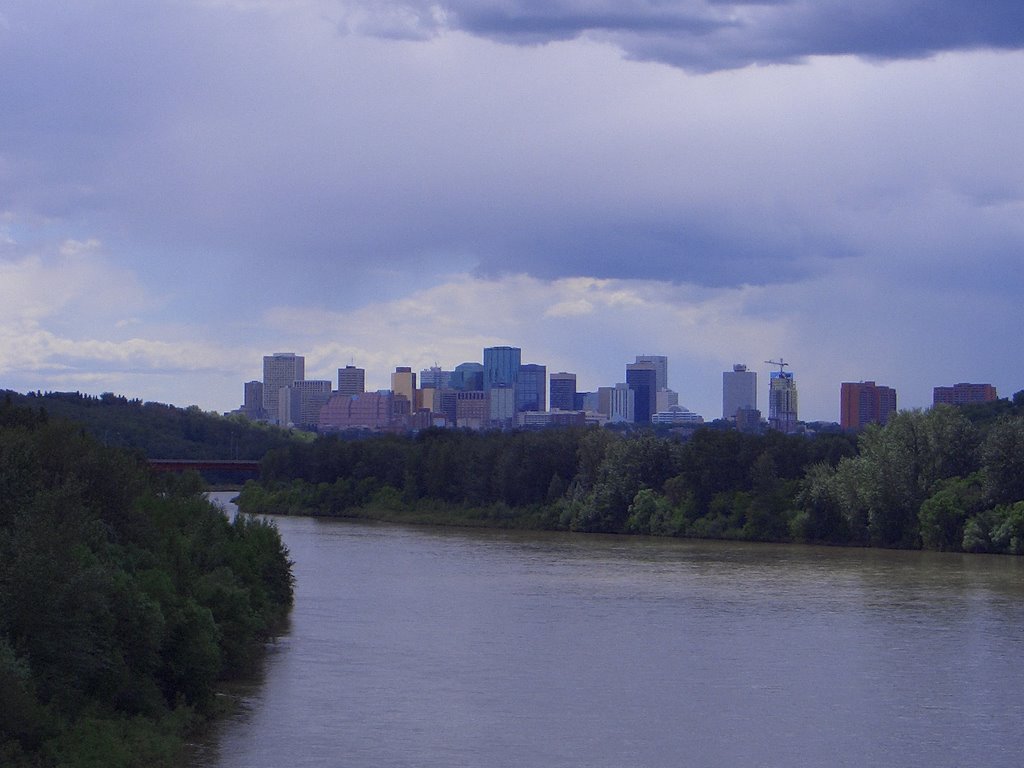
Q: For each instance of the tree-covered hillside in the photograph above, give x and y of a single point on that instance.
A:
(124, 599)
(158, 430)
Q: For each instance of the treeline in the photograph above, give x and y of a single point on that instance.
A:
(158, 430)
(718, 484)
(936, 479)
(947, 478)
(125, 598)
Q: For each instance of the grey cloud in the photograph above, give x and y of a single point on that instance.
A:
(709, 35)
(712, 249)
(219, 145)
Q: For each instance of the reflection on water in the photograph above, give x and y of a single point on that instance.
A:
(442, 647)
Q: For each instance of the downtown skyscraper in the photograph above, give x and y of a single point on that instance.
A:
(739, 391)
(282, 369)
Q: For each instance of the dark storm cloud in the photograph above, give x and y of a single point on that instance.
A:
(230, 142)
(700, 247)
(708, 35)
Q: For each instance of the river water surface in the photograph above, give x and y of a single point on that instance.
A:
(443, 647)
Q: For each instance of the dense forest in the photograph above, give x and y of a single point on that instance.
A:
(125, 599)
(158, 430)
(947, 479)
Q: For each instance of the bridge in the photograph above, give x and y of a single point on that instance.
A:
(200, 465)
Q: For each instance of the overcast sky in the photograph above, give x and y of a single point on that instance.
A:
(186, 186)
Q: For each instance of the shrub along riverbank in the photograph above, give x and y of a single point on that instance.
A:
(946, 479)
(125, 599)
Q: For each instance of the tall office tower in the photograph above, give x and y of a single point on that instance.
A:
(435, 378)
(503, 405)
(426, 398)
(660, 363)
(739, 390)
(403, 382)
(313, 395)
(531, 391)
(604, 401)
(563, 390)
(782, 402)
(281, 369)
(588, 401)
(962, 394)
(351, 380)
(865, 403)
(642, 379)
(467, 377)
(622, 405)
(289, 406)
(501, 367)
(252, 405)
(665, 399)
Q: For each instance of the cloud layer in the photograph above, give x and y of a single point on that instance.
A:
(709, 35)
(178, 180)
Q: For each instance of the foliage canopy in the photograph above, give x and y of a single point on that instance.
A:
(124, 599)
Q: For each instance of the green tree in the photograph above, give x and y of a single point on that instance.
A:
(821, 517)
(121, 596)
(1008, 533)
(944, 514)
(642, 461)
(1003, 460)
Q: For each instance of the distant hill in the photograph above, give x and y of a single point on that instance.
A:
(158, 430)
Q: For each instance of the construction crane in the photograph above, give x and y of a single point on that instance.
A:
(780, 362)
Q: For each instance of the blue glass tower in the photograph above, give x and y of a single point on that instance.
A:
(467, 377)
(501, 367)
(530, 391)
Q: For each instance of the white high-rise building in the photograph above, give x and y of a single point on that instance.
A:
(289, 406)
(739, 391)
(622, 406)
(282, 369)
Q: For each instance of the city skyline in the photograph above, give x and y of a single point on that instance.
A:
(510, 388)
(401, 183)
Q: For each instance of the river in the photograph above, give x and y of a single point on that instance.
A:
(443, 647)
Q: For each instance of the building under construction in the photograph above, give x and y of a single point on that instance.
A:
(782, 399)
